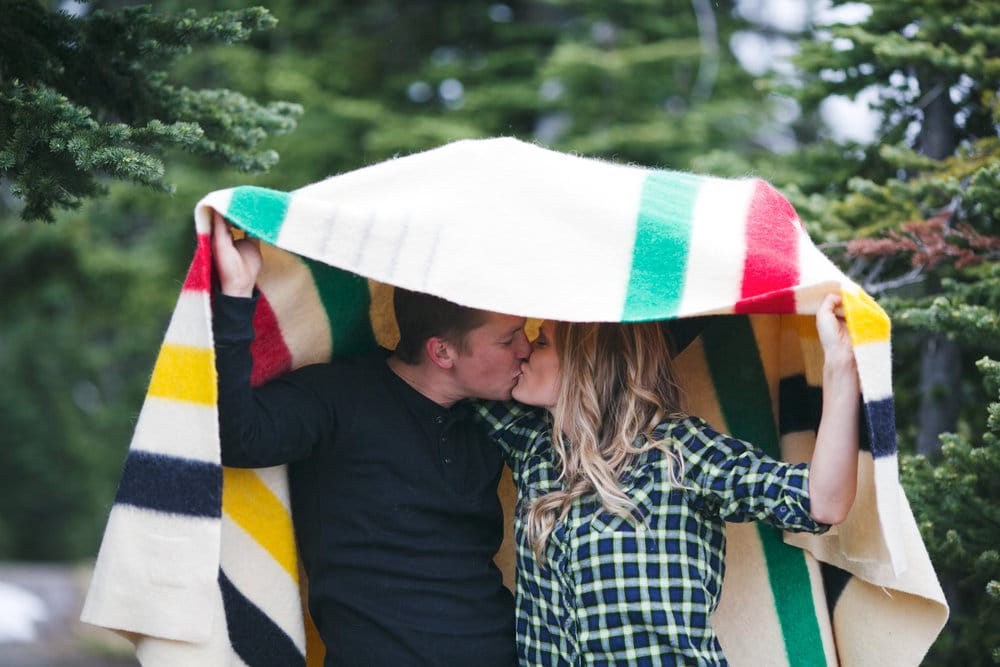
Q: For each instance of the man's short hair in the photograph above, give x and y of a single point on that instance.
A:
(421, 316)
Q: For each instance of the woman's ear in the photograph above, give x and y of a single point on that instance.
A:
(440, 352)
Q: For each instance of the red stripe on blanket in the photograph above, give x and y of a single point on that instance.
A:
(271, 356)
(199, 275)
(771, 267)
(782, 301)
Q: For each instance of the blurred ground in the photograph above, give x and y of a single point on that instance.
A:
(39, 620)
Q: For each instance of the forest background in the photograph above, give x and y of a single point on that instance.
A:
(880, 122)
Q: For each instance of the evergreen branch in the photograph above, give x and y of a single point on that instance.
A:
(972, 324)
(83, 99)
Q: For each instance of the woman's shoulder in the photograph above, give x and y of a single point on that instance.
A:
(669, 439)
(694, 439)
(683, 428)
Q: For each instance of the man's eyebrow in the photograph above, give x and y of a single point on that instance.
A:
(513, 331)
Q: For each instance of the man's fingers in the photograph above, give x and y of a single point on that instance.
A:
(220, 231)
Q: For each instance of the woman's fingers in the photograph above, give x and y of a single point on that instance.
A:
(832, 325)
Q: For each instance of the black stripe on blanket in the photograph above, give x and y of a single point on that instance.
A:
(799, 405)
(171, 484)
(835, 581)
(881, 427)
(254, 636)
(684, 331)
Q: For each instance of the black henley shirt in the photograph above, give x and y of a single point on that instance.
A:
(394, 503)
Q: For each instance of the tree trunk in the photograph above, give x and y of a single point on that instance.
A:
(940, 379)
(940, 366)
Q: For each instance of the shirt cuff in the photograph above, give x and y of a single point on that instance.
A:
(232, 318)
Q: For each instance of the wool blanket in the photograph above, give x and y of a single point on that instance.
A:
(198, 562)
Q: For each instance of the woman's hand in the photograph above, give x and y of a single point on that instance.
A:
(833, 334)
(237, 262)
(834, 468)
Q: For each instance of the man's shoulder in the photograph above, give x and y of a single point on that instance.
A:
(369, 362)
(346, 369)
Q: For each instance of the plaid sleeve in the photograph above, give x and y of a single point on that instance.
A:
(738, 482)
(513, 426)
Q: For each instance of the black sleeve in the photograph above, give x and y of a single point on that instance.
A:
(279, 422)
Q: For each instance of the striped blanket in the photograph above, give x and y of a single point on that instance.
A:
(198, 562)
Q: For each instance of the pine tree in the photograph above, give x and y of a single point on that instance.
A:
(927, 186)
(956, 500)
(84, 97)
(913, 216)
(90, 103)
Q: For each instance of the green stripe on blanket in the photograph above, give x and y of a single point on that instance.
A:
(659, 259)
(744, 397)
(345, 301)
(259, 210)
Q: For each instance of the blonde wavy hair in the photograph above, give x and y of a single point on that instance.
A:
(617, 385)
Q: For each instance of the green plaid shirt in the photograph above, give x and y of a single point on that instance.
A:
(612, 593)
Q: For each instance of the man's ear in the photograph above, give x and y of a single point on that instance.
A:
(440, 352)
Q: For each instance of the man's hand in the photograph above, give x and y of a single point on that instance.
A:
(238, 262)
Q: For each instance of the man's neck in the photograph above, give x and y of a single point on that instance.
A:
(429, 381)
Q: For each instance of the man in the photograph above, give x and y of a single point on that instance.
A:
(393, 483)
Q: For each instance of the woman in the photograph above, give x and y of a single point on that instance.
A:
(623, 498)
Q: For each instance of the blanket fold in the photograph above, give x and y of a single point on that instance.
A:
(198, 562)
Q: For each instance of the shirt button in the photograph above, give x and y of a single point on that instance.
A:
(439, 419)
(447, 459)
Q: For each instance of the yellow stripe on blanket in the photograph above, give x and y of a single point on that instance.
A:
(255, 508)
(805, 326)
(866, 320)
(811, 352)
(184, 373)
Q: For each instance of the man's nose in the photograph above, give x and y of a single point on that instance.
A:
(523, 350)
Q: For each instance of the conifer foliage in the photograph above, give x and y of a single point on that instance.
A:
(956, 500)
(83, 97)
(916, 216)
